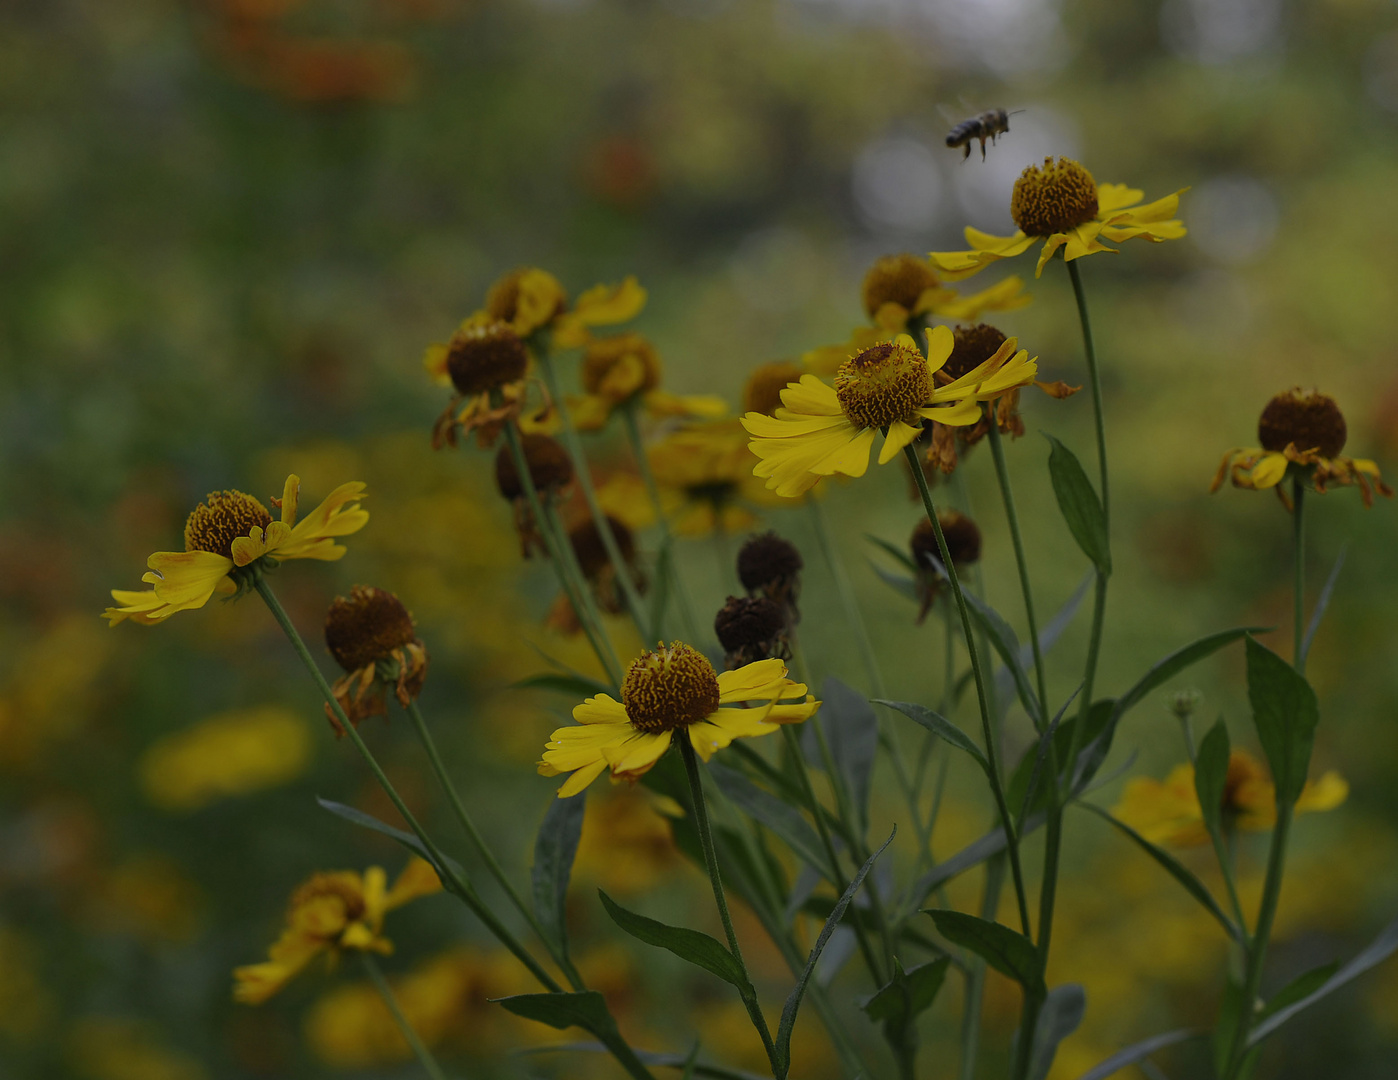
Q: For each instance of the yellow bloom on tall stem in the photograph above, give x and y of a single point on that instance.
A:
(624, 370)
(1168, 812)
(1305, 429)
(1060, 204)
(333, 913)
(673, 692)
(705, 477)
(890, 389)
(229, 539)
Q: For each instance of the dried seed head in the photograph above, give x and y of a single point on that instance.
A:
(763, 391)
(962, 534)
(669, 688)
(220, 519)
(897, 279)
(1056, 197)
(1307, 419)
(592, 553)
(749, 623)
(484, 358)
(550, 467)
(882, 384)
(971, 347)
(768, 564)
(366, 627)
(624, 359)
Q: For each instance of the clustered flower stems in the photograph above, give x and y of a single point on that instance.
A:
(424, 1055)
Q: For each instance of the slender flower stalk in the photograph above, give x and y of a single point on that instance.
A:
(1298, 495)
(975, 974)
(587, 610)
(429, 1063)
(987, 727)
(706, 841)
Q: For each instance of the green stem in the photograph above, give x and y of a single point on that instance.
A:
(429, 1063)
(987, 728)
(853, 616)
(706, 841)
(568, 558)
(638, 451)
(975, 973)
(1298, 495)
(429, 744)
(451, 878)
(557, 544)
(584, 477)
(1094, 376)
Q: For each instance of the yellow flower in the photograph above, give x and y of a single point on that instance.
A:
(672, 690)
(331, 913)
(1167, 812)
(1060, 204)
(705, 474)
(625, 368)
(888, 388)
(1305, 429)
(229, 539)
(233, 753)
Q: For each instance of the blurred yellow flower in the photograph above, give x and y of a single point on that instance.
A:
(331, 913)
(627, 845)
(1167, 812)
(52, 686)
(889, 388)
(623, 370)
(671, 690)
(27, 1005)
(1062, 205)
(148, 895)
(229, 754)
(1307, 429)
(705, 475)
(112, 1048)
(229, 539)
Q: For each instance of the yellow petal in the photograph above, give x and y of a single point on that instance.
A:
(744, 683)
(604, 305)
(417, 879)
(291, 492)
(1116, 196)
(602, 709)
(899, 435)
(186, 579)
(581, 778)
(1269, 471)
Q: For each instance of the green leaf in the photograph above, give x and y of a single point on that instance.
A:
(907, 995)
(793, 1001)
(1380, 949)
(1321, 604)
(586, 1009)
(904, 586)
(1097, 720)
(782, 819)
(972, 855)
(898, 553)
(1007, 951)
(692, 945)
(1080, 506)
(1233, 1010)
(1003, 640)
(1286, 713)
(554, 850)
(1138, 1052)
(1032, 792)
(853, 731)
(1300, 987)
(1211, 776)
(940, 726)
(1176, 869)
(407, 839)
(564, 683)
(1059, 1017)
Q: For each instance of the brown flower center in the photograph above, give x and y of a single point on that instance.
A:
(550, 467)
(220, 519)
(669, 688)
(897, 279)
(882, 384)
(484, 358)
(604, 354)
(767, 563)
(748, 623)
(1308, 419)
(972, 346)
(366, 627)
(1055, 198)
(962, 534)
(763, 391)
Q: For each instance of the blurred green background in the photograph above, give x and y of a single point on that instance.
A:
(228, 229)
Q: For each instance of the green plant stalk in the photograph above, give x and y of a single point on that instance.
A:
(1298, 496)
(584, 477)
(706, 841)
(1257, 946)
(419, 1048)
(975, 974)
(429, 744)
(452, 879)
(596, 635)
(569, 560)
(992, 749)
(638, 451)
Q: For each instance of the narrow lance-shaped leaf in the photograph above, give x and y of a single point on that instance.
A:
(1138, 1052)
(691, 945)
(1079, 504)
(853, 731)
(1303, 986)
(1286, 713)
(1326, 592)
(940, 726)
(407, 839)
(1059, 1017)
(782, 819)
(1211, 776)
(1007, 951)
(906, 996)
(1004, 641)
(793, 1001)
(554, 850)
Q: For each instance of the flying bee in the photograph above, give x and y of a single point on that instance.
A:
(985, 126)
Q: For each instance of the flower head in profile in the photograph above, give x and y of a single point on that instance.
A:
(1302, 431)
(598, 572)
(1060, 204)
(752, 628)
(770, 566)
(671, 693)
(1167, 812)
(623, 371)
(889, 389)
(372, 637)
(487, 364)
(963, 537)
(704, 472)
(550, 469)
(332, 913)
(230, 539)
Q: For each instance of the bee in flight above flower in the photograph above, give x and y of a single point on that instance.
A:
(987, 125)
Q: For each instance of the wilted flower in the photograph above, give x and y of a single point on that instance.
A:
(372, 637)
(770, 565)
(550, 469)
(963, 539)
(752, 628)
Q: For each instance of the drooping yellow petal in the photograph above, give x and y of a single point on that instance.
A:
(186, 579)
(749, 682)
(291, 493)
(257, 543)
(790, 425)
(1051, 245)
(1269, 471)
(417, 879)
(899, 435)
(581, 778)
(1005, 295)
(940, 343)
(964, 412)
(638, 753)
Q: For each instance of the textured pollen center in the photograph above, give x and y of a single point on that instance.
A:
(366, 627)
(1055, 198)
(882, 384)
(972, 346)
(670, 688)
(1309, 420)
(483, 358)
(220, 519)
(897, 279)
